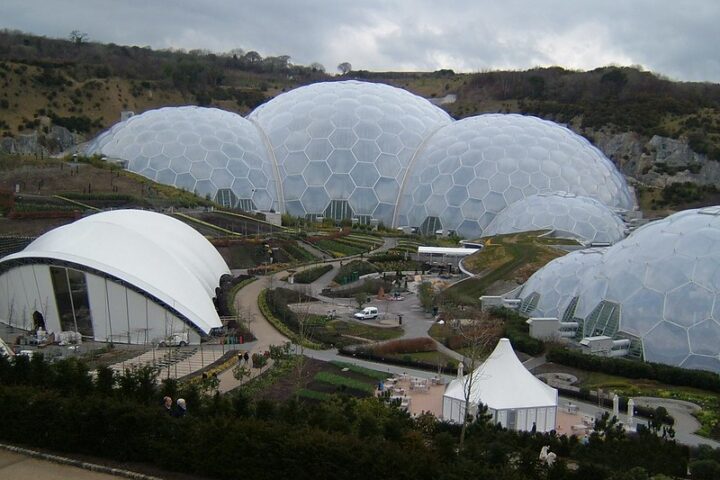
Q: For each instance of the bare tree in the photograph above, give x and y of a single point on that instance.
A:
(344, 68)
(479, 333)
(78, 37)
(304, 335)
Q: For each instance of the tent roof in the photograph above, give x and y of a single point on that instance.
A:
(502, 382)
(156, 253)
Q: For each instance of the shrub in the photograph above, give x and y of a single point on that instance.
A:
(636, 369)
(518, 332)
(410, 345)
(258, 360)
(309, 275)
(351, 271)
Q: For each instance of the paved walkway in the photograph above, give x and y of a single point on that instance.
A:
(685, 423)
(179, 362)
(14, 466)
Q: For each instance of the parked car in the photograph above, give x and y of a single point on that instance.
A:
(175, 340)
(367, 313)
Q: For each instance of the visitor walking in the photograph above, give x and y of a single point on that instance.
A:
(167, 405)
(181, 408)
(246, 357)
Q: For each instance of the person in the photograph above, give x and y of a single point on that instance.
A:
(240, 357)
(181, 408)
(167, 405)
(534, 428)
(246, 357)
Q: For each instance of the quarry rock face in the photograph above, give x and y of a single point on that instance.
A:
(658, 161)
(56, 140)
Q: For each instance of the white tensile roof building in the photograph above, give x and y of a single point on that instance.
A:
(126, 276)
(514, 397)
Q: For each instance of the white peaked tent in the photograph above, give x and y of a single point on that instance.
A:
(514, 397)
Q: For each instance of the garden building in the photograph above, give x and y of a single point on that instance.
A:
(514, 397)
(126, 276)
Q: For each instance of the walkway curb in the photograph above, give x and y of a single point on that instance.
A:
(93, 467)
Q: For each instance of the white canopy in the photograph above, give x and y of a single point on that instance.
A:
(153, 252)
(447, 251)
(502, 383)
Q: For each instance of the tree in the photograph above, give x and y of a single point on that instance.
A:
(77, 37)
(344, 68)
(479, 333)
(252, 57)
(360, 298)
(317, 67)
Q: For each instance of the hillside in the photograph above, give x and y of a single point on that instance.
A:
(664, 135)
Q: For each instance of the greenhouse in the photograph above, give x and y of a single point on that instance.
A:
(214, 153)
(366, 151)
(470, 171)
(345, 146)
(564, 215)
(659, 288)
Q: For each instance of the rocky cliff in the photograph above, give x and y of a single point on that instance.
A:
(657, 161)
(56, 140)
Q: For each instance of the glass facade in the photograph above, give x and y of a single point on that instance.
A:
(660, 285)
(71, 298)
(390, 155)
(471, 170)
(203, 150)
(346, 141)
(582, 218)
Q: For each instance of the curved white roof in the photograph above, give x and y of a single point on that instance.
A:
(153, 252)
(502, 382)
(472, 169)
(567, 214)
(203, 150)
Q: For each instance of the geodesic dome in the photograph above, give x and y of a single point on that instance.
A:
(342, 148)
(550, 290)
(471, 170)
(203, 150)
(661, 287)
(566, 214)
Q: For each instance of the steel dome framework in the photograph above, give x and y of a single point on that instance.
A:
(565, 214)
(364, 150)
(660, 285)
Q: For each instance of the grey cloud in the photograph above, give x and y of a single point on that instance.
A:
(675, 38)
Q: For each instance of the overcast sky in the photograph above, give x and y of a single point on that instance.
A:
(677, 38)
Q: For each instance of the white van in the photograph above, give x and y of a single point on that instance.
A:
(367, 313)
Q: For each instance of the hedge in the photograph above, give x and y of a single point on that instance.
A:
(518, 332)
(360, 267)
(340, 381)
(368, 355)
(586, 396)
(670, 375)
(278, 324)
(309, 275)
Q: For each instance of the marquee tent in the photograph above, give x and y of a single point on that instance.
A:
(514, 397)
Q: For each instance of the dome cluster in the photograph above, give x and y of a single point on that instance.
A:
(659, 287)
(368, 151)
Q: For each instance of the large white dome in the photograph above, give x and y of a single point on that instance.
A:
(566, 214)
(472, 169)
(550, 290)
(347, 142)
(660, 286)
(203, 150)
